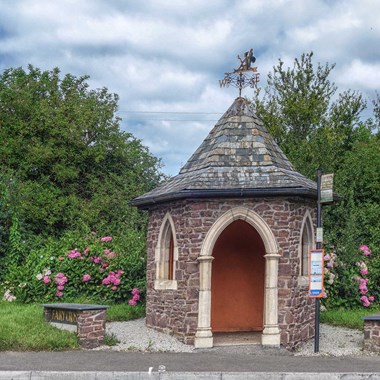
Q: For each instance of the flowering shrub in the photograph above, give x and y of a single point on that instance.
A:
(8, 296)
(75, 267)
(362, 280)
(347, 283)
(136, 296)
(330, 260)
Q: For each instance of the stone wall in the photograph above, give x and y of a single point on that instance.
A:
(176, 311)
(372, 335)
(91, 328)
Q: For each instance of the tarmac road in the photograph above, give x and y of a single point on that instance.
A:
(240, 362)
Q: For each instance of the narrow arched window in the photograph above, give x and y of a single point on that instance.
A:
(171, 257)
(166, 255)
(307, 242)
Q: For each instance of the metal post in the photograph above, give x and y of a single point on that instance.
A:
(319, 246)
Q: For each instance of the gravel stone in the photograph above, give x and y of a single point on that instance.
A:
(135, 336)
(335, 341)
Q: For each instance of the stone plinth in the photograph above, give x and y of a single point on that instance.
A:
(372, 333)
(88, 321)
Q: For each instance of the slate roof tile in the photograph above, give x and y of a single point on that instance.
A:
(238, 157)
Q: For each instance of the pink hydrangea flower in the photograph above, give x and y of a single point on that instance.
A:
(60, 287)
(365, 250)
(59, 294)
(371, 298)
(73, 254)
(112, 278)
(135, 298)
(86, 277)
(106, 238)
(46, 279)
(60, 279)
(114, 287)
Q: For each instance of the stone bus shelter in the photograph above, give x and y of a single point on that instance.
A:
(229, 238)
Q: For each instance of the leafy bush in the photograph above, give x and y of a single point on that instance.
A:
(92, 267)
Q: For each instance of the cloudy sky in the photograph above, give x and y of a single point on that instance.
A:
(164, 57)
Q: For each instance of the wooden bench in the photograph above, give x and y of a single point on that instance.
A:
(88, 321)
(372, 333)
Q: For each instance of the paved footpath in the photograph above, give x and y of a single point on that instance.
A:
(222, 363)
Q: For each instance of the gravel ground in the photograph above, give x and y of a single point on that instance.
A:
(135, 336)
(335, 341)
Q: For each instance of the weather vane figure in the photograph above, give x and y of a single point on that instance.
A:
(245, 75)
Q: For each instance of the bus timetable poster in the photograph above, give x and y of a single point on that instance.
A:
(316, 273)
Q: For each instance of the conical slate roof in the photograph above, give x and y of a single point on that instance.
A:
(237, 159)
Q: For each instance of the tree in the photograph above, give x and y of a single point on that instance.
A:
(355, 220)
(317, 127)
(298, 109)
(63, 144)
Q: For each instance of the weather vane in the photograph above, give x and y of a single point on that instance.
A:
(245, 75)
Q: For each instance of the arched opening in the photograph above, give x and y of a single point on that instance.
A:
(271, 332)
(237, 281)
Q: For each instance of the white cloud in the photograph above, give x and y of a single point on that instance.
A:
(361, 75)
(164, 55)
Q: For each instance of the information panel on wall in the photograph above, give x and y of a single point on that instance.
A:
(316, 273)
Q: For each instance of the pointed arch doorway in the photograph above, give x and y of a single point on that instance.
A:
(237, 280)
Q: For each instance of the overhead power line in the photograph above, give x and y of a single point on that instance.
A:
(198, 120)
(152, 113)
(174, 112)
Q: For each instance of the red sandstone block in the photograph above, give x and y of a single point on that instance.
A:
(84, 324)
(96, 334)
(85, 330)
(284, 270)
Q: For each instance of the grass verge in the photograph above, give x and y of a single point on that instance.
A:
(23, 327)
(125, 312)
(347, 318)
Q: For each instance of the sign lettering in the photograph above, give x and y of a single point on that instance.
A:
(63, 316)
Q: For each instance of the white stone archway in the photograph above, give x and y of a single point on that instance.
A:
(271, 332)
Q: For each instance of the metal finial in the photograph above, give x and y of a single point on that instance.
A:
(244, 75)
